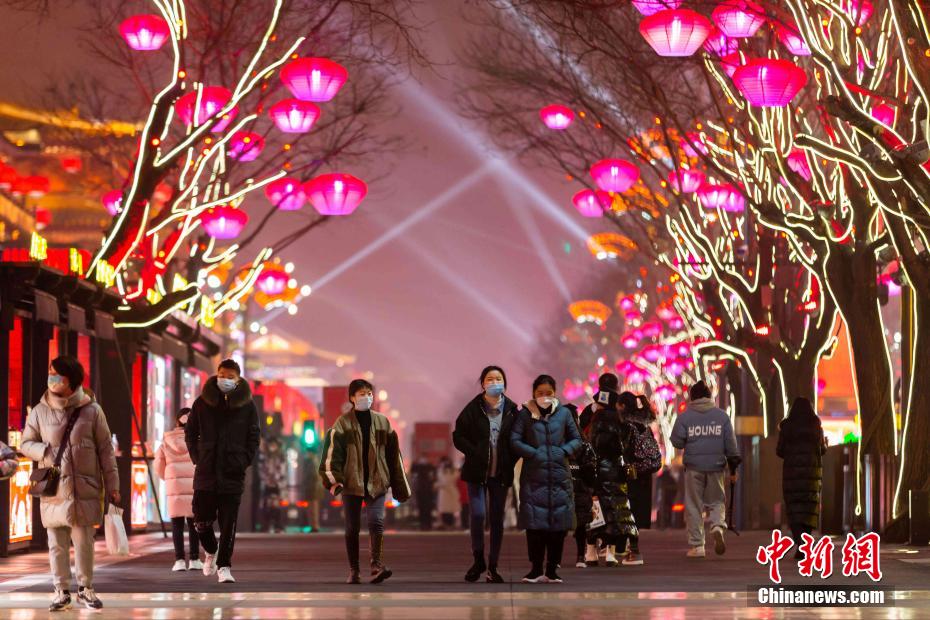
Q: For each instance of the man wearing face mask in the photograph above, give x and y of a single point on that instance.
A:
(222, 435)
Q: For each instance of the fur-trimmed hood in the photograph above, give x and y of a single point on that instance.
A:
(239, 397)
(533, 408)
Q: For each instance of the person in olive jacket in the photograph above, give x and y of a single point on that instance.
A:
(545, 436)
(801, 444)
(361, 461)
(482, 434)
(222, 436)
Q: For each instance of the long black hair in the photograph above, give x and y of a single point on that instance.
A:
(802, 412)
(629, 402)
(544, 380)
(490, 369)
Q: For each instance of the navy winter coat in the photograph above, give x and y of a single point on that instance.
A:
(545, 444)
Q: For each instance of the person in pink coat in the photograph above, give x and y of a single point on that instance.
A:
(173, 464)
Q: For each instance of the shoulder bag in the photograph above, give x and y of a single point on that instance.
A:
(44, 481)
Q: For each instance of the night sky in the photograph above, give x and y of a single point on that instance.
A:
(459, 257)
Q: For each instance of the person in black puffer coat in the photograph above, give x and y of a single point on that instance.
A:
(222, 436)
(802, 445)
(584, 478)
(612, 438)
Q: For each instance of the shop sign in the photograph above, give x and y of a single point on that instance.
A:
(139, 495)
(21, 503)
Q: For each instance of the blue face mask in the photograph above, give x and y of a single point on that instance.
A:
(363, 403)
(226, 385)
(55, 381)
(494, 389)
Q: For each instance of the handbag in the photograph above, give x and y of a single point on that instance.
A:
(44, 480)
(597, 516)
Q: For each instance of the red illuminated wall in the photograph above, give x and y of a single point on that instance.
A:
(292, 404)
(83, 355)
(432, 440)
(334, 397)
(138, 370)
(15, 379)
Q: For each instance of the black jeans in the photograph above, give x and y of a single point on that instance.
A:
(222, 507)
(177, 535)
(581, 539)
(545, 547)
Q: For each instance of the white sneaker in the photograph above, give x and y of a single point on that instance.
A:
(610, 558)
(195, 565)
(179, 565)
(696, 552)
(720, 545)
(225, 575)
(209, 564)
(590, 555)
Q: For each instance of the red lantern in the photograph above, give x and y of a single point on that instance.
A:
(145, 33)
(557, 117)
(614, 175)
(769, 82)
(212, 101)
(314, 79)
(43, 218)
(797, 161)
(32, 186)
(592, 204)
(651, 7)
(286, 194)
(245, 146)
(113, 201)
(652, 329)
(720, 44)
(8, 177)
(738, 19)
(71, 164)
(224, 222)
(273, 279)
(335, 194)
(675, 32)
(685, 180)
(793, 41)
(294, 115)
(731, 62)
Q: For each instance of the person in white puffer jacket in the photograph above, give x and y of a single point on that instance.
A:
(173, 464)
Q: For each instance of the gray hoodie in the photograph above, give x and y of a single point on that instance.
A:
(706, 434)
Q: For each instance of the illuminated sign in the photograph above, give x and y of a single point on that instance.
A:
(139, 495)
(106, 274)
(21, 503)
(38, 247)
(75, 262)
(207, 312)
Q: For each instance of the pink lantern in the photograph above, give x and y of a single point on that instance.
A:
(682, 349)
(651, 7)
(666, 392)
(314, 79)
(557, 117)
(652, 329)
(294, 115)
(652, 353)
(335, 194)
(614, 175)
(675, 32)
(113, 201)
(731, 62)
(674, 368)
(145, 33)
(721, 196)
(224, 222)
(693, 144)
(884, 114)
(797, 161)
(631, 340)
(627, 302)
(592, 204)
(676, 323)
(720, 44)
(272, 280)
(858, 10)
(793, 41)
(738, 19)
(212, 101)
(286, 194)
(245, 146)
(685, 180)
(769, 82)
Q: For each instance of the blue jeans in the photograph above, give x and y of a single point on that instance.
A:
(487, 501)
(375, 517)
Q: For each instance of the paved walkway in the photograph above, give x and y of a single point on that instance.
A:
(301, 576)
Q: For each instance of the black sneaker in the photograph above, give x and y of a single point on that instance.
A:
(535, 576)
(61, 602)
(474, 573)
(384, 573)
(88, 598)
(494, 576)
(552, 576)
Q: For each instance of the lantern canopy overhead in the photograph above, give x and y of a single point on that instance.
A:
(273, 279)
(294, 115)
(685, 180)
(738, 19)
(335, 193)
(589, 311)
(793, 41)
(557, 116)
(675, 32)
(224, 222)
(212, 101)
(610, 245)
(721, 196)
(651, 7)
(314, 79)
(769, 82)
(592, 204)
(286, 194)
(145, 33)
(614, 175)
(720, 44)
(245, 146)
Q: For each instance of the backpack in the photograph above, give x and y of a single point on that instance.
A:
(646, 455)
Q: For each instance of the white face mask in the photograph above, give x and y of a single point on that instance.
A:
(544, 401)
(363, 403)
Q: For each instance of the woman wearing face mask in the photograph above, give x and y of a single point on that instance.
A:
(545, 436)
(482, 434)
(173, 465)
(68, 421)
(361, 461)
